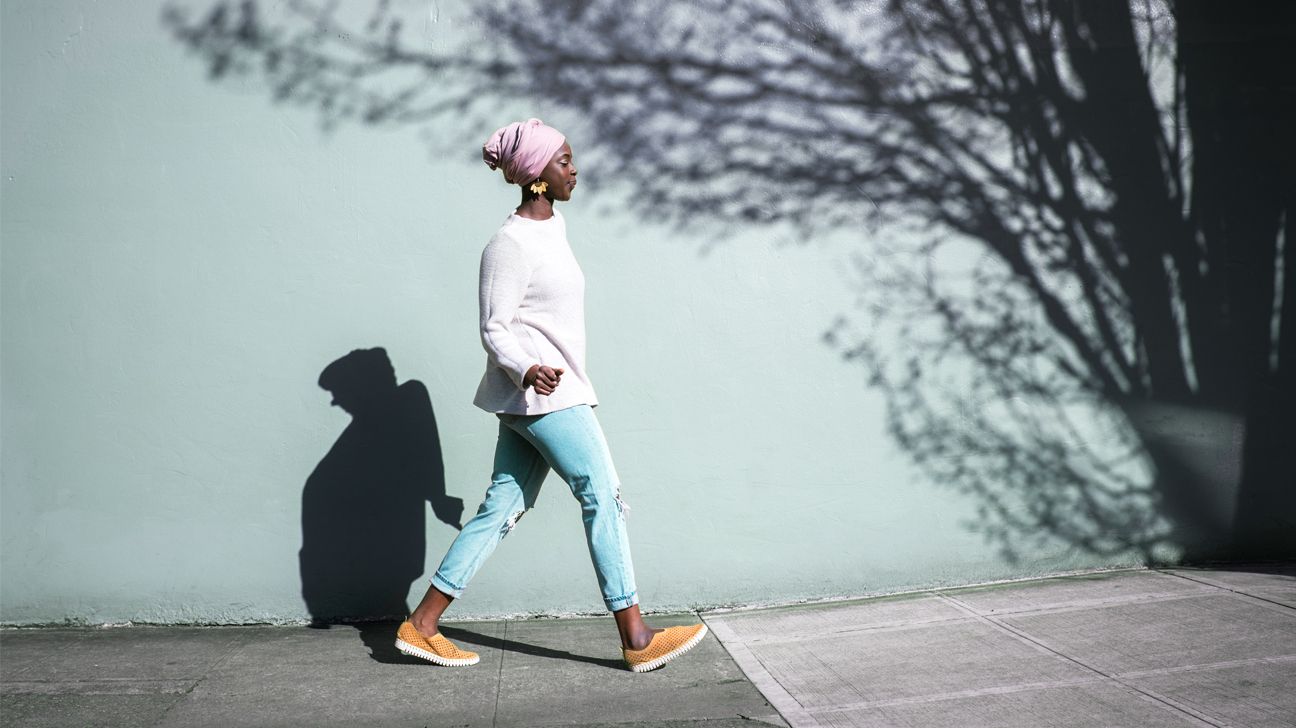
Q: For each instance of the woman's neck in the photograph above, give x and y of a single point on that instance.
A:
(536, 207)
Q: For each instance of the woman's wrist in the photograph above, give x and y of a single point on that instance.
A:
(530, 375)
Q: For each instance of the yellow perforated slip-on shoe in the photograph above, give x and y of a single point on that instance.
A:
(665, 646)
(435, 649)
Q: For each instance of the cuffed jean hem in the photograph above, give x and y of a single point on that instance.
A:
(446, 587)
(619, 603)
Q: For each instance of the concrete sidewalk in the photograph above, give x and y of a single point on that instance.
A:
(1133, 648)
(532, 673)
(1143, 649)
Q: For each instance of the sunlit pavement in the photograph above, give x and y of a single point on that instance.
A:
(1180, 647)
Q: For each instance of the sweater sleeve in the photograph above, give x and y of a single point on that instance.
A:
(501, 285)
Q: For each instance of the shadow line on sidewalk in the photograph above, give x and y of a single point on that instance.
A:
(379, 637)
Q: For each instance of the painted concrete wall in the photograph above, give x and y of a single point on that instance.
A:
(182, 259)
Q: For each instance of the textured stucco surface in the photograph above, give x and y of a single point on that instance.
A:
(181, 259)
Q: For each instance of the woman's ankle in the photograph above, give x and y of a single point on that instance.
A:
(426, 626)
(639, 639)
(426, 617)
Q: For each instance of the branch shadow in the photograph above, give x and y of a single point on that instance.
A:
(1049, 269)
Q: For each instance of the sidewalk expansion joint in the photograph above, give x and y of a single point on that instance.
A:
(1169, 704)
(1226, 588)
(180, 697)
(499, 676)
(789, 708)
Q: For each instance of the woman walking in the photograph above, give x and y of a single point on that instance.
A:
(531, 297)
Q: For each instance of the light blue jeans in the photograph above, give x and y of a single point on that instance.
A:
(571, 442)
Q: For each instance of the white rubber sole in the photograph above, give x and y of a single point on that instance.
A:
(654, 664)
(432, 657)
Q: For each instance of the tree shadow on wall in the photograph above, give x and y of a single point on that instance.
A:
(363, 507)
(1073, 284)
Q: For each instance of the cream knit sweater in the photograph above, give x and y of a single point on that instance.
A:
(531, 298)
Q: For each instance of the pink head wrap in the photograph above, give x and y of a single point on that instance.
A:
(522, 149)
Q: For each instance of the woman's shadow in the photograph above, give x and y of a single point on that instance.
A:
(363, 507)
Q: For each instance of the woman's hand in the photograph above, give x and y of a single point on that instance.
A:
(544, 379)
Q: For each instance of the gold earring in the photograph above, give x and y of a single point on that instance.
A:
(539, 187)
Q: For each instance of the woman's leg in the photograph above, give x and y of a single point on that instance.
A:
(518, 473)
(572, 442)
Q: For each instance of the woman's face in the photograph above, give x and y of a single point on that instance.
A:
(560, 173)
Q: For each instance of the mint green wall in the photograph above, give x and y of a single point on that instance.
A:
(182, 258)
